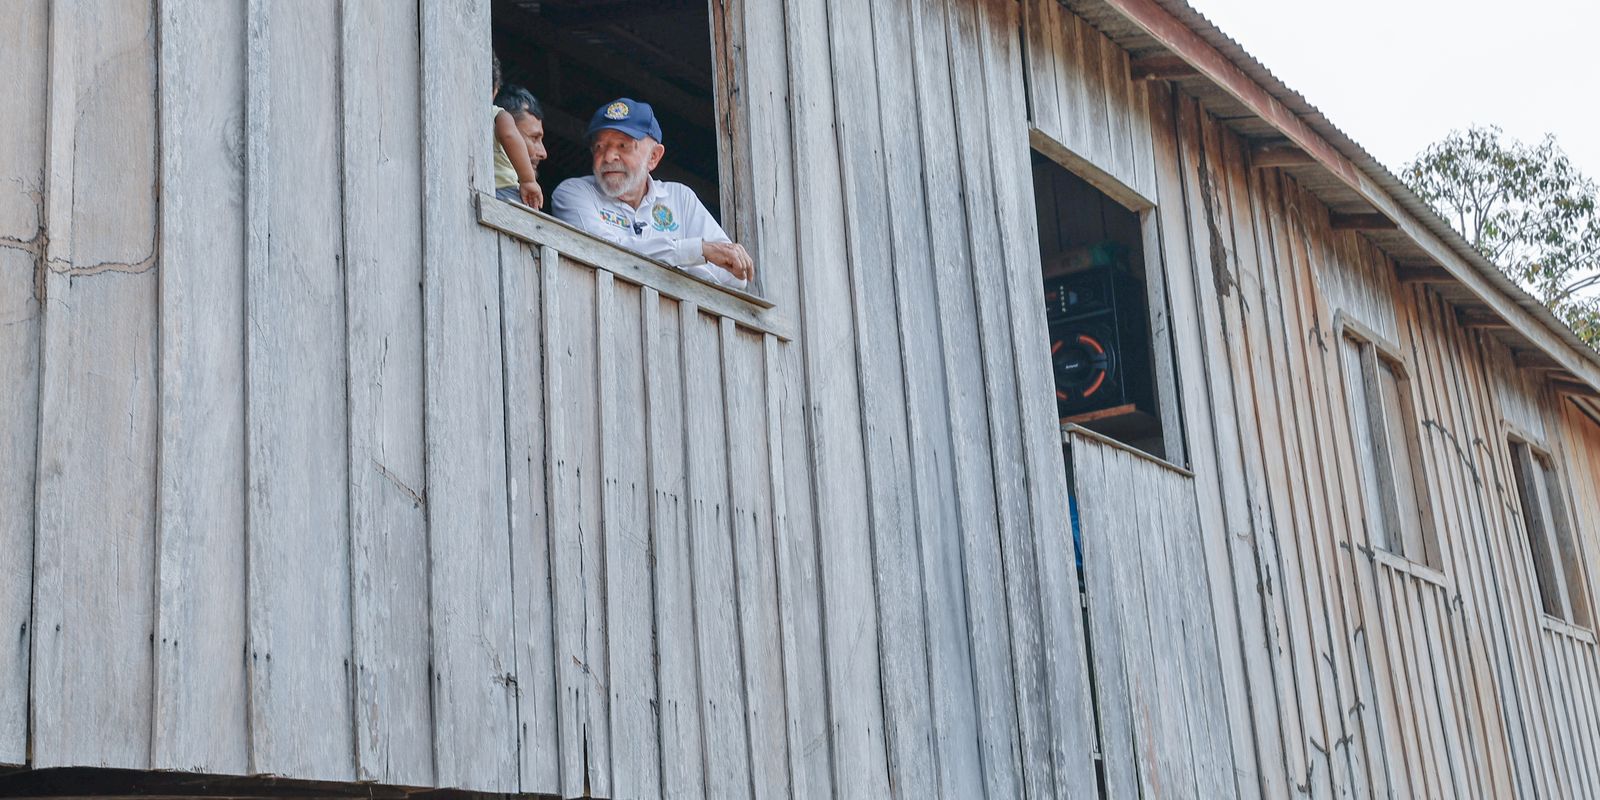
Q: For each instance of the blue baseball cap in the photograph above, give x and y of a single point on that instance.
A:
(627, 115)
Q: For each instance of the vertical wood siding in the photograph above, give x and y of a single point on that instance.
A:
(1156, 671)
(200, 686)
(24, 50)
(307, 472)
(1346, 672)
(95, 521)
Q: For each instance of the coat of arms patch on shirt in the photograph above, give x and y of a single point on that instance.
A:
(661, 218)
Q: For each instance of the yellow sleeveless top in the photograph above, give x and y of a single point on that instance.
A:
(504, 174)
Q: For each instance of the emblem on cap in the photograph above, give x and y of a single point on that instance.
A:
(617, 110)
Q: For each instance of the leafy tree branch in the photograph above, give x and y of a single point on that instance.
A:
(1527, 209)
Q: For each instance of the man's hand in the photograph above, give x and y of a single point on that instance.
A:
(730, 256)
(532, 195)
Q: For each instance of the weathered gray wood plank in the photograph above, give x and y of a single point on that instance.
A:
(1098, 142)
(1466, 407)
(94, 550)
(297, 423)
(754, 565)
(1456, 516)
(931, 549)
(1094, 471)
(1263, 271)
(1061, 620)
(1119, 110)
(1157, 584)
(1121, 545)
(677, 668)
(578, 562)
(1215, 772)
(562, 514)
(867, 160)
(990, 260)
(769, 129)
(1040, 21)
(523, 310)
(200, 695)
(1249, 678)
(948, 437)
(625, 499)
(24, 46)
(799, 578)
(979, 549)
(1303, 523)
(831, 409)
(380, 67)
(475, 736)
(706, 442)
(1078, 103)
(1276, 520)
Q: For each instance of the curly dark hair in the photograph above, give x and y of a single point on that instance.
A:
(519, 102)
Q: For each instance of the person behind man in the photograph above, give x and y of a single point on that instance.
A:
(519, 145)
(621, 203)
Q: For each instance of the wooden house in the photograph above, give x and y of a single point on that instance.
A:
(322, 472)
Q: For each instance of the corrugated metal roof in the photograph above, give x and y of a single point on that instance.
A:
(1379, 174)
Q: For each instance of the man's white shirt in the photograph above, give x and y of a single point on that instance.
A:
(670, 224)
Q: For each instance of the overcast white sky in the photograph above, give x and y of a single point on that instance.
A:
(1398, 74)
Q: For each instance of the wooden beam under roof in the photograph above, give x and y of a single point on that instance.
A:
(1432, 274)
(1161, 67)
(1566, 383)
(1480, 318)
(1361, 222)
(1535, 360)
(1277, 154)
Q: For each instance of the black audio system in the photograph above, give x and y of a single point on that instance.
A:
(1099, 341)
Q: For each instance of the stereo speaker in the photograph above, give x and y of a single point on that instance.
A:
(1099, 341)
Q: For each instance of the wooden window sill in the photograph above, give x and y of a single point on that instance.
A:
(521, 222)
(1415, 569)
(1561, 626)
(1069, 430)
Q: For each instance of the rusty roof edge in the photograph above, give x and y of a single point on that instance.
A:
(1377, 173)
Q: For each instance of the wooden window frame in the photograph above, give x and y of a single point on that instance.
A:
(1550, 530)
(735, 182)
(1376, 351)
(1158, 306)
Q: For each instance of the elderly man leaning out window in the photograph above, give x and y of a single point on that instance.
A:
(621, 203)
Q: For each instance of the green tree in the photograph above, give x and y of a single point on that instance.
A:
(1525, 208)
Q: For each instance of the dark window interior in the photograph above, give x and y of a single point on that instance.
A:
(1092, 252)
(575, 55)
(1546, 521)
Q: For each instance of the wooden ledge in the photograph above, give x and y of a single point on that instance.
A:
(1421, 572)
(1564, 628)
(751, 311)
(1071, 431)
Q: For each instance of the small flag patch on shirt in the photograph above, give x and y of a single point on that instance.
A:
(613, 218)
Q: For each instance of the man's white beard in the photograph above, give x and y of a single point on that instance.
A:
(616, 184)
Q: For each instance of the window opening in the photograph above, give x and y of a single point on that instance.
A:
(575, 55)
(583, 57)
(1097, 305)
(1547, 522)
(1392, 481)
